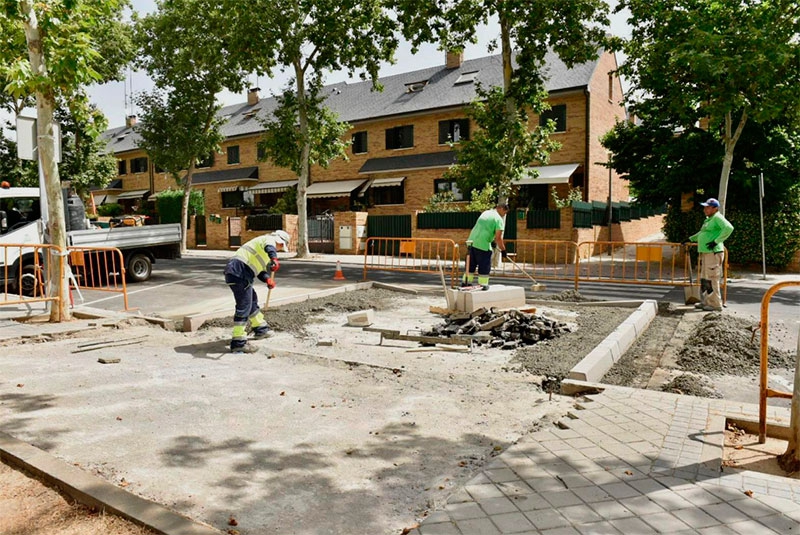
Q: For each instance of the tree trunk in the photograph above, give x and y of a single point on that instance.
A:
(187, 194)
(303, 179)
(790, 460)
(729, 141)
(45, 104)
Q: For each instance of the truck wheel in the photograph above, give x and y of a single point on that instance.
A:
(32, 279)
(139, 268)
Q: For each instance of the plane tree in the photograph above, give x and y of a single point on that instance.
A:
(717, 65)
(185, 50)
(309, 39)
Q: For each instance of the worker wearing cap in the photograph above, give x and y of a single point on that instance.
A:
(488, 228)
(714, 231)
(256, 258)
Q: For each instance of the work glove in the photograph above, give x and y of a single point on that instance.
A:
(271, 283)
(503, 254)
(274, 265)
(712, 245)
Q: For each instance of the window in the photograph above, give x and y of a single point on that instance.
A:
(139, 165)
(387, 195)
(416, 87)
(466, 78)
(400, 137)
(261, 152)
(557, 113)
(441, 185)
(232, 199)
(454, 131)
(359, 143)
(233, 154)
(610, 87)
(206, 161)
(122, 167)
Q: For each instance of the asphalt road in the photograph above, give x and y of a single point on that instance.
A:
(194, 284)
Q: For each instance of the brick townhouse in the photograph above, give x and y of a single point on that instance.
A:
(399, 145)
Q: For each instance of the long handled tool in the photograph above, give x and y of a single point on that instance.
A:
(691, 293)
(269, 292)
(444, 285)
(536, 286)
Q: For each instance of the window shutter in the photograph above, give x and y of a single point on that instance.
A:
(444, 132)
(390, 138)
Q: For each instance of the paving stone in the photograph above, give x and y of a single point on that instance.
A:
(620, 490)
(631, 526)
(752, 508)
(501, 475)
(611, 510)
(484, 526)
(514, 488)
(591, 494)
(698, 496)
(547, 519)
(580, 514)
(642, 505)
(512, 523)
(750, 527)
(669, 500)
(438, 516)
(545, 484)
(561, 531)
(439, 529)
(483, 492)
(601, 477)
(460, 511)
(696, 518)
(665, 523)
(459, 496)
(531, 502)
(780, 504)
(562, 498)
(646, 486)
(598, 528)
(724, 513)
(495, 506)
(574, 481)
(780, 523)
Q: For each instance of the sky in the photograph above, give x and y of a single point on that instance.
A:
(114, 98)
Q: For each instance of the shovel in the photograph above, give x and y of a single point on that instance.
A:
(536, 286)
(691, 293)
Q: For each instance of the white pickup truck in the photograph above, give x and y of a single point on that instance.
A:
(20, 223)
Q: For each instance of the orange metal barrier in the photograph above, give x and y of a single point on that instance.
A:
(541, 259)
(23, 272)
(766, 392)
(652, 263)
(98, 269)
(417, 255)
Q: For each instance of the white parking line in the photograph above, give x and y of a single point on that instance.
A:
(119, 296)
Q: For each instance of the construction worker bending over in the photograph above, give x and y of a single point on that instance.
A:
(489, 228)
(256, 258)
(714, 231)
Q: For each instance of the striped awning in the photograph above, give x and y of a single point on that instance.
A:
(548, 174)
(228, 189)
(273, 187)
(136, 194)
(387, 182)
(339, 188)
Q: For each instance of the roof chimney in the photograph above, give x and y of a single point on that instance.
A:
(453, 59)
(130, 121)
(252, 96)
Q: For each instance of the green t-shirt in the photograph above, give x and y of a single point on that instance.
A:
(483, 232)
(715, 228)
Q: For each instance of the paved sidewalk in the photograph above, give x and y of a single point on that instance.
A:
(624, 461)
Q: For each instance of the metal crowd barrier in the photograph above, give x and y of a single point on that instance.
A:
(541, 259)
(97, 269)
(415, 255)
(27, 284)
(765, 391)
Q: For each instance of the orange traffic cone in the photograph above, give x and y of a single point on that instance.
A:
(338, 276)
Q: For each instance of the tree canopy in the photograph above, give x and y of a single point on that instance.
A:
(720, 62)
(183, 46)
(309, 38)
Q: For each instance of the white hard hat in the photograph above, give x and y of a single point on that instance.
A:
(282, 236)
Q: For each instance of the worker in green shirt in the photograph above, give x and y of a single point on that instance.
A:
(488, 228)
(714, 231)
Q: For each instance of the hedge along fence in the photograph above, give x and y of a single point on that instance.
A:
(781, 234)
(170, 202)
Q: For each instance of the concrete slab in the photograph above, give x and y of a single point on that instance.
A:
(497, 296)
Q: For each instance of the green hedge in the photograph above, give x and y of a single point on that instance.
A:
(169, 202)
(781, 233)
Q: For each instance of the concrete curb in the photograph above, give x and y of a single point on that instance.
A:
(594, 366)
(95, 492)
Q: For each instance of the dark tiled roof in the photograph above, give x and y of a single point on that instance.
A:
(358, 101)
(226, 175)
(408, 162)
(114, 184)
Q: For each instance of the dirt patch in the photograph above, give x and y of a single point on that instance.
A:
(691, 385)
(727, 345)
(295, 317)
(555, 358)
(636, 366)
(572, 296)
(28, 507)
(742, 451)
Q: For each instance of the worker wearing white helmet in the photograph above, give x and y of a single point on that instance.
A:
(256, 258)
